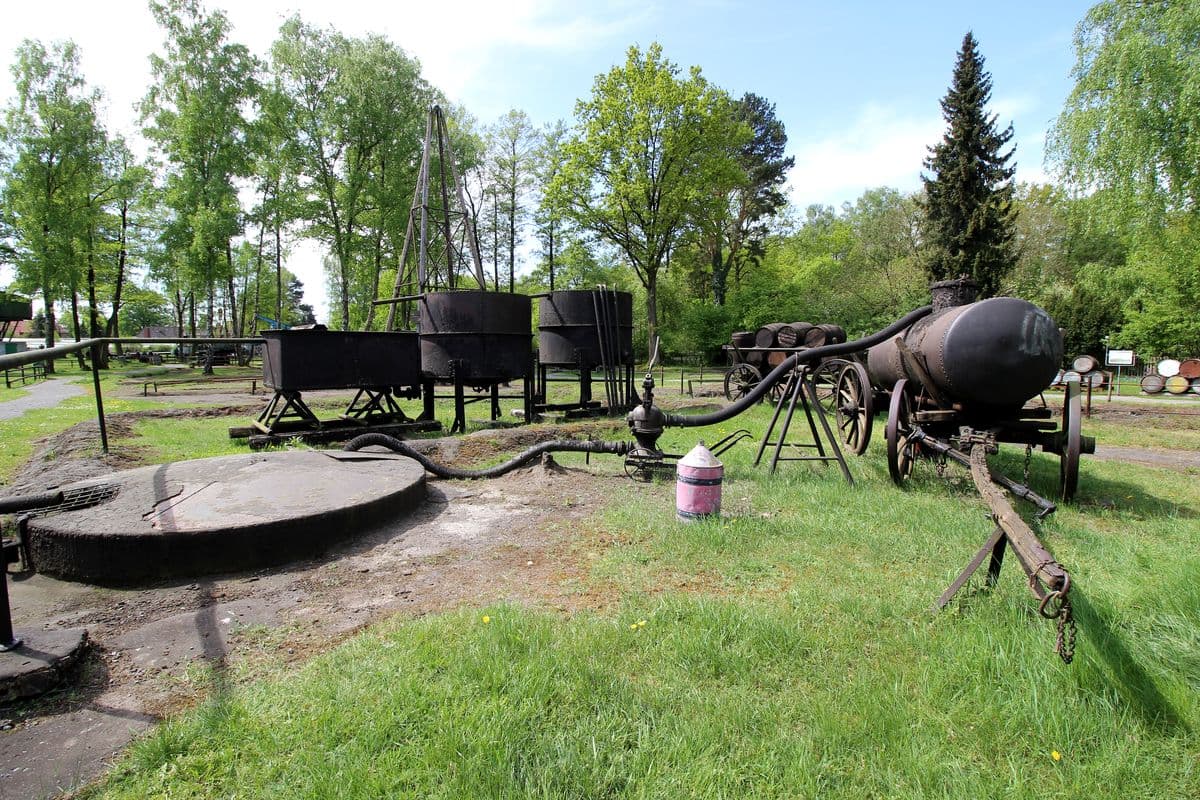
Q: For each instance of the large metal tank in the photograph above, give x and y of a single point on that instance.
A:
(568, 334)
(300, 360)
(479, 336)
(995, 353)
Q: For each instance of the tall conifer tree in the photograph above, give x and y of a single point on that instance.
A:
(969, 215)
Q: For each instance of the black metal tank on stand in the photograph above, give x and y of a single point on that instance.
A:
(475, 339)
(587, 330)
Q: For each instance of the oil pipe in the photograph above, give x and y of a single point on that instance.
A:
(524, 457)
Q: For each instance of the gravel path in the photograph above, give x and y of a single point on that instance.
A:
(45, 394)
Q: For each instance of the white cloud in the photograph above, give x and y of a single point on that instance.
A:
(883, 147)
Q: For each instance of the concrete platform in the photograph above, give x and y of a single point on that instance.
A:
(225, 514)
(39, 664)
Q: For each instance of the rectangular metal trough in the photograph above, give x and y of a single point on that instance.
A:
(302, 360)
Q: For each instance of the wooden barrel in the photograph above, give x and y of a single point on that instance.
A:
(1177, 384)
(743, 338)
(823, 334)
(766, 335)
(775, 358)
(1084, 363)
(1153, 384)
(1190, 368)
(792, 334)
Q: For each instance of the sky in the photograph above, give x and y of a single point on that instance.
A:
(856, 83)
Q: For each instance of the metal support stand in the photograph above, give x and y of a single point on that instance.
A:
(285, 407)
(800, 389)
(377, 405)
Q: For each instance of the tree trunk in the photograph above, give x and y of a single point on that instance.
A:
(651, 311)
(114, 326)
(278, 275)
(720, 274)
(46, 299)
(76, 323)
(93, 312)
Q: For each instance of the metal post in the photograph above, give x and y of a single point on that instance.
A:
(99, 397)
(7, 640)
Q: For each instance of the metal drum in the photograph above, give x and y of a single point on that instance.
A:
(1153, 384)
(1177, 384)
(997, 353)
(1190, 368)
(569, 333)
(1168, 367)
(1084, 363)
(476, 335)
(302, 360)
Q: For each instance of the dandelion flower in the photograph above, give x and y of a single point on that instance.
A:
(486, 619)
(1057, 756)
(641, 623)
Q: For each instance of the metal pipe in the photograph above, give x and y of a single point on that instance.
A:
(790, 363)
(100, 397)
(28, 502)
(443, 471)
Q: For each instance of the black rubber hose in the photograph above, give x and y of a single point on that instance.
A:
(442, 471)
(792, 361)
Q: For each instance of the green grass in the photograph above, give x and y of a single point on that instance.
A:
(786, 650)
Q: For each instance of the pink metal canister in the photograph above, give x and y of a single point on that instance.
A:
(698, 485)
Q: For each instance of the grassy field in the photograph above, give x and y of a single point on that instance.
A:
(786, 650)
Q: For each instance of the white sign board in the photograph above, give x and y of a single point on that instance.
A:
(1119, 358)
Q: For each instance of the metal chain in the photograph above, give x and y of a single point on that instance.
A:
(1028, 459)
(1064, 643)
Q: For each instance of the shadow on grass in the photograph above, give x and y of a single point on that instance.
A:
(1120, 671)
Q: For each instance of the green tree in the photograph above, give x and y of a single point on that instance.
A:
(969, 215)
(651, 154)
(203, 88)
(1129, 136)
(549, 224)
(735, 237)
(512, 153)
(354, 112)
(1130, 129)
(51, 143)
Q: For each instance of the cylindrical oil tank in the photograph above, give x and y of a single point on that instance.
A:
(477, 335)
(300, 360)
(1085, 363)
(568, 334)
(996, 353)
(1168, 367)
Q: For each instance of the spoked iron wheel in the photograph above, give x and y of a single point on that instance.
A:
(855, 407)
(901, 449)
(825, 382)
(1072, 442)
(740, 380)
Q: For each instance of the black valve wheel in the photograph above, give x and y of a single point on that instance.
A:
(902, 450)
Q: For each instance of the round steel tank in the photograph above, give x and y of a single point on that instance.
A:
(1153, 384)
(568, 334)
(997, 353)
(476, 335)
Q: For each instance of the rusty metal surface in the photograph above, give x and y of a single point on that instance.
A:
(300, 360)
(568, 333)
(476, 335)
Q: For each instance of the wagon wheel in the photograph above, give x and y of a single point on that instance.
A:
(639, 464)
(901, 450)
(825, 382)
(1068, 465)
(740, 380)
(855, 407)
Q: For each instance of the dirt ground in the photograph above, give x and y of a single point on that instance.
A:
(472, 543)
(158, 649)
